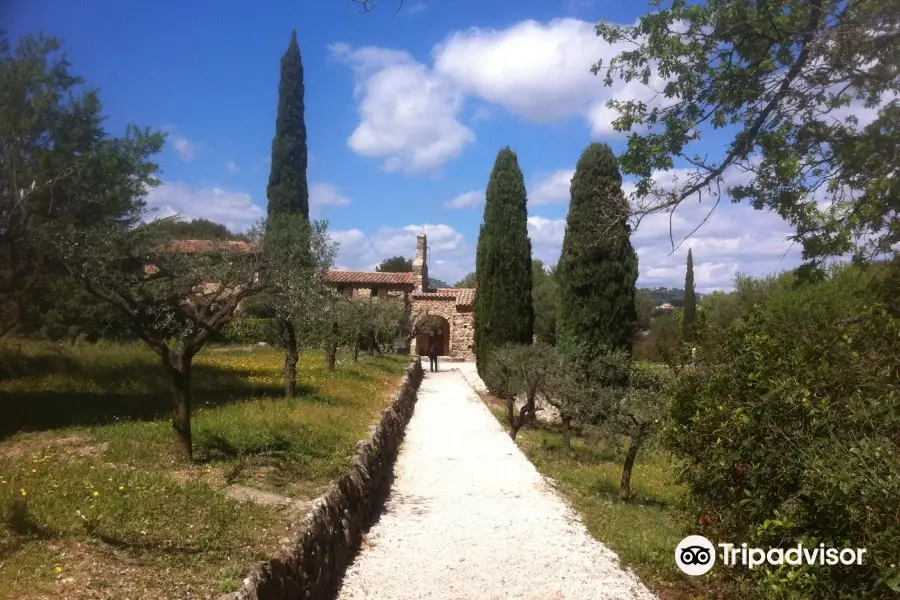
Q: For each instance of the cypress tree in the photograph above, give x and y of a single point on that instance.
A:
(689, 318)
(288, 192)
(598, 267)
(503, 304)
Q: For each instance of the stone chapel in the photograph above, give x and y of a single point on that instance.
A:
(443, 315)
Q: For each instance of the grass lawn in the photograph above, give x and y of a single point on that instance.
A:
(92, 502)
(643, 533)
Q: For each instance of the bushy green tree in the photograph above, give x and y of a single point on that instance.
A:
(299, 255)
(610, 391)
(288, 191)
(468, 281)
(788, 428)
(175, 301)
(60, 170)
(504, 311)
(395, 264)
(598, 268)
(196, 229)
(520, 371)
(775, 78)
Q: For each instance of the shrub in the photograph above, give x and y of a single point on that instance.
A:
(251, 330)
(518, 370)
(789, 428)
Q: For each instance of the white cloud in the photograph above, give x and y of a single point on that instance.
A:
(408, 114)
(185, 149)
(466, 200)
(449, 255)
(325, 194)
(541, 71)
(232, 166)
(414, 8)
(734, 238)
(322, 195)
(235, 210)
(551, 188)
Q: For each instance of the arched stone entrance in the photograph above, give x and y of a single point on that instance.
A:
(430, 329)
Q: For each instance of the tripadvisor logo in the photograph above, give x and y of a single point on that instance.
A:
(696, 555)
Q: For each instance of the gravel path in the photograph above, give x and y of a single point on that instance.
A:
(469, 517)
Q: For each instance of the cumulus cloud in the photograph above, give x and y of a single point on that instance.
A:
(449, 255)
(408, 115)
(551, 188)
(235, 210)
(540, 71)
(325, 194)
(732, 238)
(466, 200)
(232, 166)
(410, 112)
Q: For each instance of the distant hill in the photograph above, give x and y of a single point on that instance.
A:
(662, 295)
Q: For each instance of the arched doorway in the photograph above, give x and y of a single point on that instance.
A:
(430, 329)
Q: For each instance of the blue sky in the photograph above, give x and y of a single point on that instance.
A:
(405, 115)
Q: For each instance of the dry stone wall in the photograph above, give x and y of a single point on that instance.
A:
(312, 564)
(462, 335)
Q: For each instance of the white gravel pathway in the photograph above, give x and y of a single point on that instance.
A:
(470, 518)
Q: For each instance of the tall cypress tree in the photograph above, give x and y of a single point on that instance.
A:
(689, 318)
(503, 304)
(598, 267)
(288, 191)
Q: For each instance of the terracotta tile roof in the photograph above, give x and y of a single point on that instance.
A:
(207, 246)
(465, 297)
(462, 296)
(369, 277)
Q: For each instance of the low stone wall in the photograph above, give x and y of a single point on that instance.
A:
(312, 564)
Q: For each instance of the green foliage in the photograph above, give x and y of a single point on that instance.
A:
(598, 267)
(251, 330)
(288, 191)
(544, 294)
(789, 428)
(96, 426)
(777, 78)
(195, 229)
(469, 281)
(298, 256)
(520, 371)
(504, 311)
(395, 264)
(60, 170)
(719, 310)
(644, 307)
(689, 316)
(662, 341)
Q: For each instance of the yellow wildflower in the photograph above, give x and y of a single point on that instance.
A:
(58, 569)
(23, 491)
(96, 493)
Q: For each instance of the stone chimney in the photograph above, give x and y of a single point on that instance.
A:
(420, 264)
